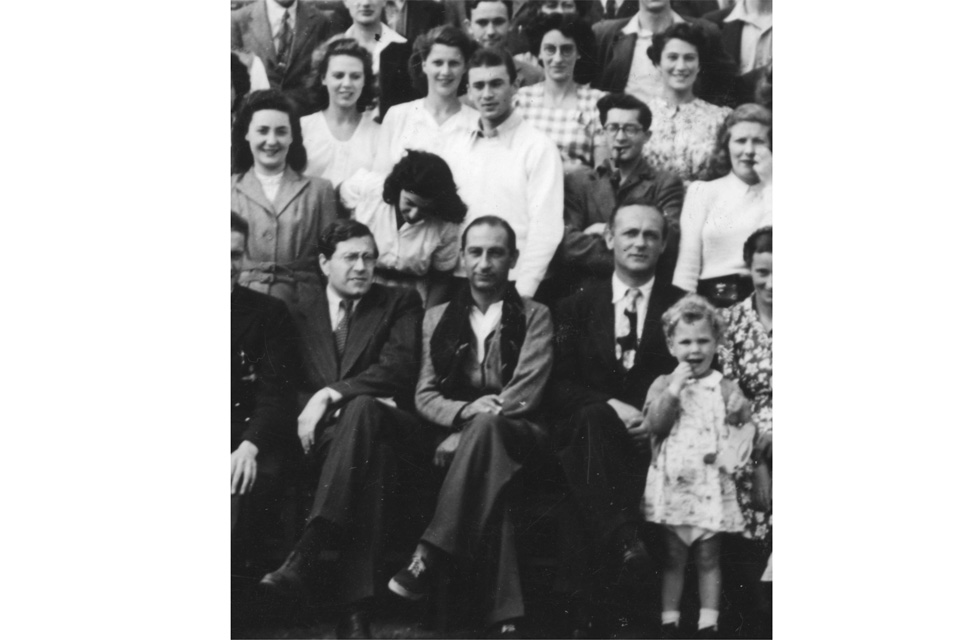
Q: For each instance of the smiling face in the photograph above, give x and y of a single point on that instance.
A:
(270, 136)
(679, 65)
(761, 272)
(414, 208)
(350, 269)
(487, 258)
(625, 144)
(489, 24)
(694, 343)
(491, 90)
(238, 245)
(744, 140)
(558, 55)
(344, 80)
(443, 68)
(365, 12)
(637, 239)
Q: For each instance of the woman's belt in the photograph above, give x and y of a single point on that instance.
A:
(725, 291)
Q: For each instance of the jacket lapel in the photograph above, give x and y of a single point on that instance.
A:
(652, 333)
(305, 23)
(731, 35)
(601, 324)
(292, 185)
(623, 52)
(320, 337)
(370, 310)
(251, 187)
(261, 30)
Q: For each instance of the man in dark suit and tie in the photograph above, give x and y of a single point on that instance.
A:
(263, 427)
(283, 34)
(609, 348)
(361, 344)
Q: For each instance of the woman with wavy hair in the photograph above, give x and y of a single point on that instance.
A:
(718, 215)
(437, 68)
(284, 209)
(414, 213)
(684, 127)
(342, 137)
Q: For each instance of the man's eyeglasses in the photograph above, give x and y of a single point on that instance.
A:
(629, 130)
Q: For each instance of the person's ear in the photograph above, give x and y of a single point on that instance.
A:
(325, 264)
(466, 25)
(609, 237)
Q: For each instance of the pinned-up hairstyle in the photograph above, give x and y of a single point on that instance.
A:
(428, 176)
(690, 309)
(321, 60)
(748, 112)
(693, 34)
(570, 26)
(760, 242)
(242, 159)
(448, 36)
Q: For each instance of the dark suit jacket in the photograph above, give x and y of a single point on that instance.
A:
(717, 83)
(394, 83)
(382, 355)
(250, 31)
(264, 368)
(586, 370)
(731, 40)
(422, 16)
(596, 13)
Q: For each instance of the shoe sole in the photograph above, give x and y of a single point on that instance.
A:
(401, 591)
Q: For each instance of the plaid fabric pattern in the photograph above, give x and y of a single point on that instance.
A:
(577, 132)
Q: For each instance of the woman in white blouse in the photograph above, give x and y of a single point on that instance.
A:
(414, 214)
(437, 67)
(342, 137)
(718, 215)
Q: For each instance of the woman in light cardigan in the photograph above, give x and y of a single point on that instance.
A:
(718, 215)
(286, 211)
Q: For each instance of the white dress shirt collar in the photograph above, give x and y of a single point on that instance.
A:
(334, 305)
(763, 22)
(275, 14)
(619, 289)
(634, 25)
(483, 323)
(509, 124)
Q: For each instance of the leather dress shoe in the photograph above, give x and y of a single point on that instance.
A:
(354, 625)
(287, 580)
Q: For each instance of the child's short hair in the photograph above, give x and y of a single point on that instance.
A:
(693, 308)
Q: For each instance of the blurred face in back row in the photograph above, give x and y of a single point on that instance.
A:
(489, 24)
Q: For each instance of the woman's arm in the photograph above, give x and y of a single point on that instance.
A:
(693, 215)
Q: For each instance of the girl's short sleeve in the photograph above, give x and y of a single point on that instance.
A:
(445, 256)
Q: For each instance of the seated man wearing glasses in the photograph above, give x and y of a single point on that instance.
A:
(361, 347)
(592, 195)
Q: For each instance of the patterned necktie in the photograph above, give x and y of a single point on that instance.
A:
(340, 333)
(284, 37)
(627, 340)
(610, 9)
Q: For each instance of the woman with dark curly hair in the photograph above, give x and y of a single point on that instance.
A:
(719, 214)
(284, 209)
(414, 213)
(342, 137)
(684, 127)
(437, 68)
(564, 110)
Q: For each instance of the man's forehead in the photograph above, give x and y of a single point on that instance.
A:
(486, 74)
(483, 235)
(638, 217)
(623, 115)
(358, 243)
(488, 10)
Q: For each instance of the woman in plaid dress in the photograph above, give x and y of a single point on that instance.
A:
(564, 110)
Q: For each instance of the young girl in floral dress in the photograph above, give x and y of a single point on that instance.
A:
(701, 429)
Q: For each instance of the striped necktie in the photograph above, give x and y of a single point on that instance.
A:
(285, 36)
(340, 333)
(628, 342)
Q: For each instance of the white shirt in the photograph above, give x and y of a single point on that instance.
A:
(483, 323)
(717, 218)
(275, 16)
(410, 126)
(388, 36)
(333, 159)
(513, 172)
(644, 80)
(270, 184)
(604, 4)
(756, 46)
(619, 298)
(334, 305)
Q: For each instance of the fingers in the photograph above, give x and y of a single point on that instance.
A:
(251, 476)
(236, 476)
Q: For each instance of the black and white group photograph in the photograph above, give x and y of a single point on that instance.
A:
(501, 319)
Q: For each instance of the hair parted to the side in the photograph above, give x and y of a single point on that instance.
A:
(693, 34)
(759, 242)
(321, 60)
(428, 176)
(448, 36)
(238, 224)
(491, 57)
(690, 309)
(568, 25)
(748, 112)
(242, 159)
(641, 201)
(340, 230)
(628, 103)
(240, 80)
(492, 221)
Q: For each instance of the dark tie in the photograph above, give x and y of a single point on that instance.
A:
(340, 333)
(629, 342)
(284, 38)
(610, 10)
